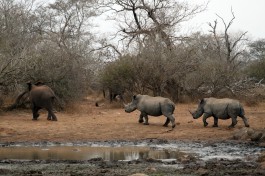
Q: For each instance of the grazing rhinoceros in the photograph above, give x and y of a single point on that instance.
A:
(154, 106)
(220, 109)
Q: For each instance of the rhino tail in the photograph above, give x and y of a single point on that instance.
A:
(173, 107)
(241, 111)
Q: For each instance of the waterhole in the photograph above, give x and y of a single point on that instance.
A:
(118, 151)
(126, 153)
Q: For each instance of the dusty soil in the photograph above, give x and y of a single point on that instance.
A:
(86, 122)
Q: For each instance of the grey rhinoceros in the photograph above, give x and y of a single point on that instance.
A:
(220, 109)
(153, 106)
(41, 96)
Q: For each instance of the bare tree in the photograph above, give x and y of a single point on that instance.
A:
(148, 31)
(221, 60)
(48, 42)
(142, 19)
(17, 37)
(229, 50)
(62, 57)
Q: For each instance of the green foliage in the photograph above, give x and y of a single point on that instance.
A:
(256, 67)
(155, 70)
(257, 49)
(118, 74)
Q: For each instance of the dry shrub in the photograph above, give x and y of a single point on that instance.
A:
(80, 107)
(185, 99)
(254, 96)
(1, 102)
(103, 102)
(251, 102)
(115, 105)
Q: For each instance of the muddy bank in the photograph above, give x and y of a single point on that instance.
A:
(201, 150)
(197, 158)
(149, 167)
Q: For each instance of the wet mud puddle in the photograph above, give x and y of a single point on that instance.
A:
(127, 151)
(85, 153)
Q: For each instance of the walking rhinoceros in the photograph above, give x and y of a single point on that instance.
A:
(220, 109)
(153, 106)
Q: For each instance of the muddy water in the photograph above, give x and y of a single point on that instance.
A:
(85, 153)
(114, 151)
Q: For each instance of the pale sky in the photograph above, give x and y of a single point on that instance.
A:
(249, 16)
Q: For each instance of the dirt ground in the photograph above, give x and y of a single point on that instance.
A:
(86, 122)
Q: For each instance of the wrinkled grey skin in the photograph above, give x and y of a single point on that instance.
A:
(220, 109)
(41, 96)
(153, 106)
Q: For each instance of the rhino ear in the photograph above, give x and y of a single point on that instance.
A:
(201, 101)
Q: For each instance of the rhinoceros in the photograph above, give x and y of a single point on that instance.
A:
(220, 109)
(153, 106)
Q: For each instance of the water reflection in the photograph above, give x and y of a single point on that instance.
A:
(85, 153)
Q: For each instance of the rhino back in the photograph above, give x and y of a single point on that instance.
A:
(40, 94)
(153, 105)
(222, 107)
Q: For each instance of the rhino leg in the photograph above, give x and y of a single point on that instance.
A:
(242, 115)
(170, 118)
(141, 120)
(245, 120)
(52, 115)
(167, 122)
(205, 116)
(146, 120)
(234, 122)
(215, 123)
(35, 113)
(49, 117)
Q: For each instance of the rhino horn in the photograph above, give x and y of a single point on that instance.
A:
(190, 112)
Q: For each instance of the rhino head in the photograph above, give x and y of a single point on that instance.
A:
(131, 106)
(199, 111)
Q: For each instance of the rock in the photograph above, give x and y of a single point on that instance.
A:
(262, 139)
(202, 171)
(243, 133)
(262, 165)
(256, 136)
(152, 169)
(261, 158)
(262, 144)
(250, 131)
(138, 174)
(201, 164)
